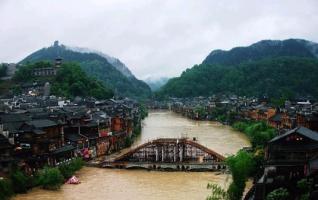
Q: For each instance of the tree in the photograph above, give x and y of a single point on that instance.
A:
(70, 81)
(241, 165)
(256, 78)
(3, 70)
(143, 111)
(258, 132)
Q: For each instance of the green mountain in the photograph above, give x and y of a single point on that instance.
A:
(264, 49)
(108, 70)
(269, 71)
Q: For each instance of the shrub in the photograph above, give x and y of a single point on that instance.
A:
(77, 164)
(20, 182)
(51, 178)
(240, 126)
(258, 132)
(128, 141)
(68, 169)
(278, 194)
(34, 180)
(304, 186)
(217, 193)
(6, 190)
(137, 130)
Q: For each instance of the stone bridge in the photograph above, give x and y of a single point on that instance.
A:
(169, 154)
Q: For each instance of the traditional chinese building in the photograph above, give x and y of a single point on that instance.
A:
(36, 140)
(288, 158)
(48, 71)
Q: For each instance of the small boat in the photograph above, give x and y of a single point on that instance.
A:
(73, 180)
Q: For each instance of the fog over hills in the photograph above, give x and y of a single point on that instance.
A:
(103, 67)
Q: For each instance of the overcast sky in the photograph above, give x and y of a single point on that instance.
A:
(153, 38)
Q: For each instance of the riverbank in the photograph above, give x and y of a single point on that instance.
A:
(258, 133)
(101, 184)
(48, 178)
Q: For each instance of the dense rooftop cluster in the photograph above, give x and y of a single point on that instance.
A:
(229, 109)
(39, 130)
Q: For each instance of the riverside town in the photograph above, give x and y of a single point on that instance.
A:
(196, 100)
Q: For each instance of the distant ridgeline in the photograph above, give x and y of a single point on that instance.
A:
(272, 68)
(67, 80)
(110, 71)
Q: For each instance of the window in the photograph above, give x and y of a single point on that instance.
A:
(25, 145)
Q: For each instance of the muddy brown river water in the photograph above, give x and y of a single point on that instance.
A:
(115, 184)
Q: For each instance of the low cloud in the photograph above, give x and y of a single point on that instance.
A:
(153, 38)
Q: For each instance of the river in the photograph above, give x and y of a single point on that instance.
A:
(118, 184)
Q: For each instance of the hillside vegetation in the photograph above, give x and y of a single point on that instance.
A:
(96, 66)
(70, 81)
(272, 68)
(264, 49)
(272, 77)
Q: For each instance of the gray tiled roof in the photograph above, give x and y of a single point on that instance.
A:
(277, 117)
(41, 123)
(14, 118)
(300, 130)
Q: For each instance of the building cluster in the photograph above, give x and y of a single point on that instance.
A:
(291, 115)
(36, 131)
(289, 157)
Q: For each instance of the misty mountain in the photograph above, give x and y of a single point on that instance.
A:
(112, 60)
(156, 83)
(103, 67)
(272, 68)
(263, 49)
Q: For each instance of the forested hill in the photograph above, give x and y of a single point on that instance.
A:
(272, 68)
(274, 77)
(264, 49)
(98, 66)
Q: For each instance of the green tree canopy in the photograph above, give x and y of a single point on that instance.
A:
(277, 78)
(70, 81)
(241, 165)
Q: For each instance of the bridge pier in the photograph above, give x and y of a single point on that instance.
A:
(175, 153)
(162, 154)
(157, 153)
(181, 153)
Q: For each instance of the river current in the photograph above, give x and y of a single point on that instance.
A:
(115, 184)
